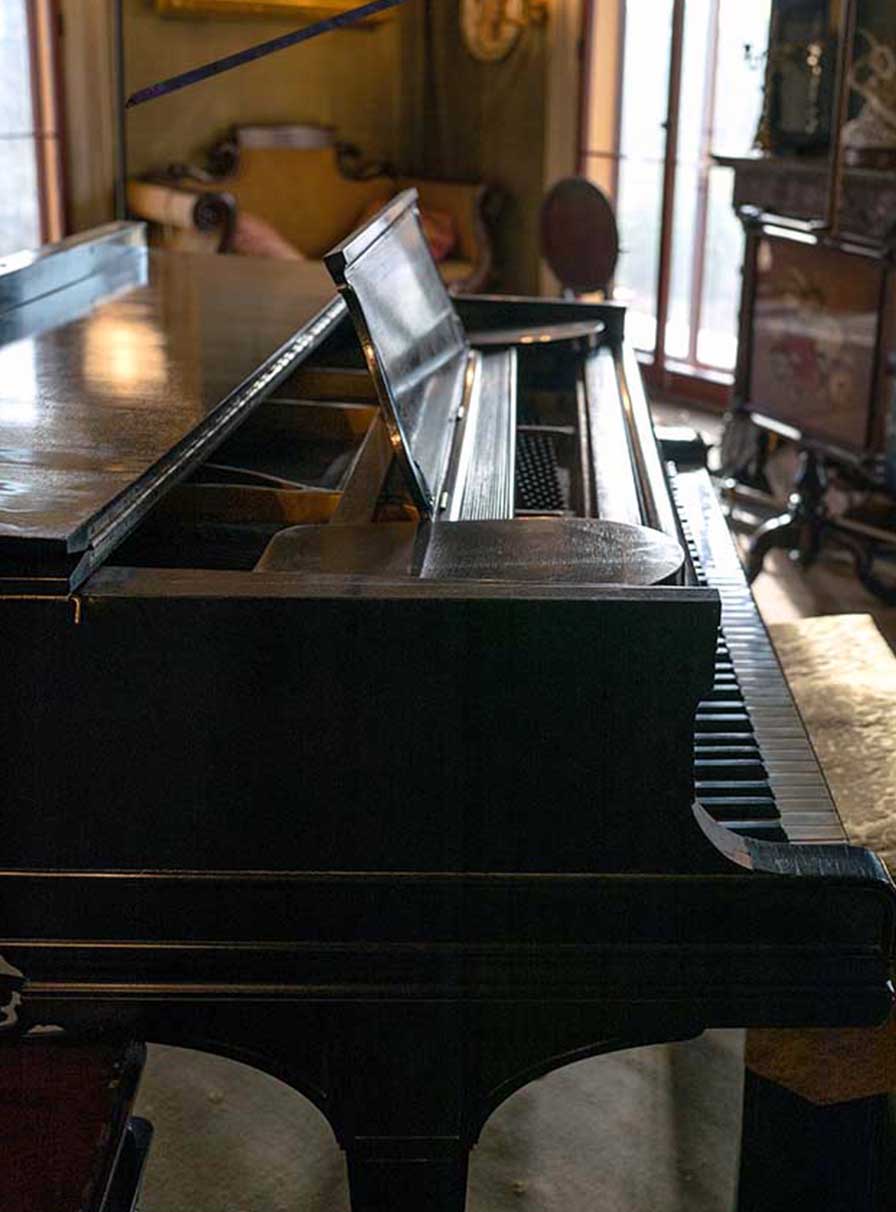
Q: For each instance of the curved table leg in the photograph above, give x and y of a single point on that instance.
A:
(744, 451)
(802, 527)
(782, 531)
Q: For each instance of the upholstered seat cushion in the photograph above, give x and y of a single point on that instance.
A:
(302, 196)
(253, 237)
(64, 1107)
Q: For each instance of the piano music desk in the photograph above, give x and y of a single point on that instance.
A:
(822, 1092)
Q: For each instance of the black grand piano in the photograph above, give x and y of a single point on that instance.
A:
(380, 708)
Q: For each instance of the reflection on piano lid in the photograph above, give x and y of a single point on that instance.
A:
(119, 368)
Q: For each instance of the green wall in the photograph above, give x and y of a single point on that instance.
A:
(879, 16)
(482, 121)
(347, 79)
(405, 91)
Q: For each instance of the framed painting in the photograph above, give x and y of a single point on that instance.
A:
(814, 345)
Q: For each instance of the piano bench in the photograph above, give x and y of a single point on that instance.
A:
(67, 1139)
(819, 1095)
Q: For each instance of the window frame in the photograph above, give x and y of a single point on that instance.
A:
(44, 24)
(601, 90)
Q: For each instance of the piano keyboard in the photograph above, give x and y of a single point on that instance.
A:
(755, 769)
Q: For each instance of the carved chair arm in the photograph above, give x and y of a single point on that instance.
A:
(189, 208)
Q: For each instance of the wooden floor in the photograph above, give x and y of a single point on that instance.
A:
(784, 591)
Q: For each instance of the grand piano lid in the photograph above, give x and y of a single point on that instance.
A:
(413, 342)
(120, 368)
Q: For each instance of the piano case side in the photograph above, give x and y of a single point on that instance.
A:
(189, 718)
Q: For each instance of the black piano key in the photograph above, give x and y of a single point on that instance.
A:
(728, 753)
(730, 772)
(717, 788)
(728, 723)
(766, 831)
(721, 694)
(740, 807)
(720, 739)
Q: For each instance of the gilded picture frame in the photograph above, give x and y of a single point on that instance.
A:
(308, 10)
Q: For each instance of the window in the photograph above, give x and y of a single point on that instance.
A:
(30, 184)
(681, 243)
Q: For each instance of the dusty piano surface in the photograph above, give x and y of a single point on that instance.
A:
(398, 805)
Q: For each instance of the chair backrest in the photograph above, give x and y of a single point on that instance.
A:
(303, 194)
(579, 239)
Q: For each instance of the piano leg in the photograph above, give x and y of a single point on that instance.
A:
(399, 1105)
(798, 1154)
(423, 1181)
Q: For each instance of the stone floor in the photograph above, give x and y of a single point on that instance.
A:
(651, 1130)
